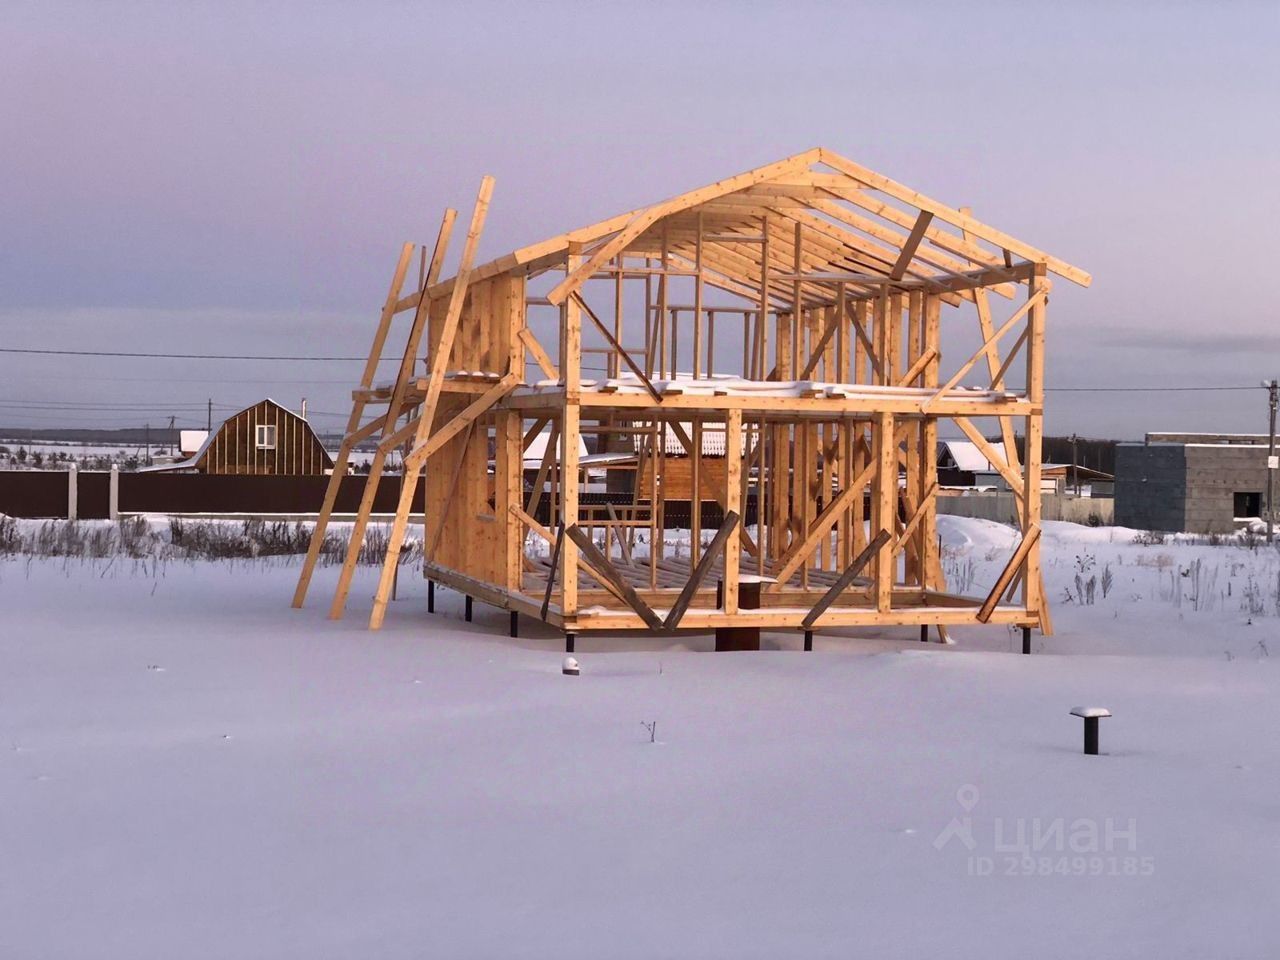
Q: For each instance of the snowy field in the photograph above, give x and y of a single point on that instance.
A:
(192, 769)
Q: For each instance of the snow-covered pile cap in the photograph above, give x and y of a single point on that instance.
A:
(1090, 712)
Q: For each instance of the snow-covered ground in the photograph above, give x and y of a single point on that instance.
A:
(189, 768)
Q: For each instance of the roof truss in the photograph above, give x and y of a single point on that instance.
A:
(847, 219)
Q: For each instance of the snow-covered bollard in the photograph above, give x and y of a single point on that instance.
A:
(1091, 717)
(570, 667)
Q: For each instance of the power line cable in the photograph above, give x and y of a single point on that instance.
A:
(179, 356)
(350, 359)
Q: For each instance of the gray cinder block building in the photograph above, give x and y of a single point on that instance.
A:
(1191, 482)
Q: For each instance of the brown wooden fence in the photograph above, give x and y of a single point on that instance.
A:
(48, 493)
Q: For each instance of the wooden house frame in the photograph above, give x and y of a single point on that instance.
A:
(825, 284)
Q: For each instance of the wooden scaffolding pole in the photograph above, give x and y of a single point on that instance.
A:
(357, 413)
(409, 479)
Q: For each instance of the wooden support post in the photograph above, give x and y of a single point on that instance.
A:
(650, 328)
(807, 469)
(614, 365)
(664, 285)
(885, 506)
(893, 361)
(508, 478)
(571, 365)
(858, 321)
(830, 467)
(1032, 583)
(930, 561)
(762, 317)
(697, 304)
(733, 504)
(858, 455)
(880, 337)
(844, 525)
(695, 495)
(797, 308)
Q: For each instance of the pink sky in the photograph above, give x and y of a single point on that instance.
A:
(238, 177)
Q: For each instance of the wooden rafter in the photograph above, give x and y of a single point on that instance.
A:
(953, 216)
(911, 245)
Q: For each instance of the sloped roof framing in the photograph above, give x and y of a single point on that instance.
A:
(860, 228)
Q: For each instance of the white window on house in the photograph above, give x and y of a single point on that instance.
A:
(266, 436)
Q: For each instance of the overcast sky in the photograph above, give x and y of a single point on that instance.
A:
(237, 178)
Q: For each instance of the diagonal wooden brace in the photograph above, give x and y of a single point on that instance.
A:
(821, 526)
(676, 613)
(1006, 576)
(602, 569)
(850, 574)
(466, 416)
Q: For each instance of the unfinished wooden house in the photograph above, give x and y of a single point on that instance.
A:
(802, 308)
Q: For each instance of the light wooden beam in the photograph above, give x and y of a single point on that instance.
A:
(1018, 314)
(953, 216)
(539, 354)
(430, 402)
(911, 245)
(1006, 576)
(713, 550)
(851, 572)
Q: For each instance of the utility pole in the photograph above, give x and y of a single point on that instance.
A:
(1273, 397)
(1075, 465)
(147, 435)
(209, 423)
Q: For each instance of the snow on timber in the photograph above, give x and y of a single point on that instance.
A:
(192, 769)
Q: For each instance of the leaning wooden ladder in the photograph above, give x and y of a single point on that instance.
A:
(404, 399)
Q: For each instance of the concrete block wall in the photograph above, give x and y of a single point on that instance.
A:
(1151, 486)
(1214, 474)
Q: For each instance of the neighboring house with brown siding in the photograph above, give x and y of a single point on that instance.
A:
(263, 440)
